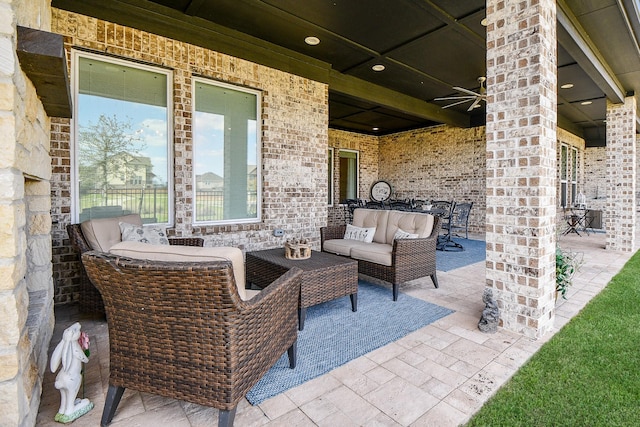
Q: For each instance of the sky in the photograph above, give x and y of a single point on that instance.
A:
(149, 123)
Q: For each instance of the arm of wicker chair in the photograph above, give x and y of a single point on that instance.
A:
(332, 232)
(186, 241)
(269, 321)
(414, 258)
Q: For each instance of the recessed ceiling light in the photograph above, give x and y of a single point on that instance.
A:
(376, 128)
(312, 41)
(586, 103)
(378, 67)
(484, 22)
(566, 86)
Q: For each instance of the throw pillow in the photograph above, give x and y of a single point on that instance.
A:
(151, 234)
(401, 234)
(359, 233)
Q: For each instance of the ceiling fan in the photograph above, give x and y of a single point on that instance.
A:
(467, 95)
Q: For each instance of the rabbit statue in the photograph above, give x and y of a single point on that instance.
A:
(70, 354)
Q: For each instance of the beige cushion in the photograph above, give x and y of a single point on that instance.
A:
(103, 233)
(378, 253)
(170, 253)
(411, 222)
(342, 246)
(373, 218)
(401, 234)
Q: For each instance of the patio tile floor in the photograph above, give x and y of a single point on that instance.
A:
(437, 376)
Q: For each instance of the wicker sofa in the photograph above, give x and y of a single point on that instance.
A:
(402, 248)
(101, 235)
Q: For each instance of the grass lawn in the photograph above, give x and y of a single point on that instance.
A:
(588, 374)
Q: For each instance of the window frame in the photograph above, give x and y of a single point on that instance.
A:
(259, 149)
(76, 54)
(564, 175)
(330, 162)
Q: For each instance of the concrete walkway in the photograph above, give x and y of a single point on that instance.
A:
(437, 376)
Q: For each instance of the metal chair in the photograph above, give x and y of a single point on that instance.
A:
(180, 330)
(401, 205)
(460, 219)
(445, 241)
(350, 205)
(374, 205)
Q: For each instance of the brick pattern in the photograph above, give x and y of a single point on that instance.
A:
(294, 142)
(438, 163)
(367, 146)
(620, 210)
(26, 289)
(521, 162)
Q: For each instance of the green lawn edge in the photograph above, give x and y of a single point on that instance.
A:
(588, 374)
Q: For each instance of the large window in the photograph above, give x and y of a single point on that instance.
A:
(348, 174)
(121, 157)
(226, 153)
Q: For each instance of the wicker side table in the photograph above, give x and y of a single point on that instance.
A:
(325, 276)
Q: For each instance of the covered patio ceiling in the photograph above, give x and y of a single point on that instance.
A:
(426, 47)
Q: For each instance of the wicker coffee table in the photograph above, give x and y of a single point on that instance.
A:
(325, 276)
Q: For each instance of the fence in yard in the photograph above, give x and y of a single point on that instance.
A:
(153, 203)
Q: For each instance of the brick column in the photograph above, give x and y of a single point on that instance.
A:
(521, 162)
(620, 210)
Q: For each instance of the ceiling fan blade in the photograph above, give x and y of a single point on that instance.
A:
(449, 98)
(475, 103)
(456, 103)
(463, 90)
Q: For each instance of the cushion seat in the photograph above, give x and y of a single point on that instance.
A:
(379, 253)
(342, 246)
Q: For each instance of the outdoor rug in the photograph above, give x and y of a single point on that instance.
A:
(333, 335)
(474, 251)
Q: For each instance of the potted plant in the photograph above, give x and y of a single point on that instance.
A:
(567, 263)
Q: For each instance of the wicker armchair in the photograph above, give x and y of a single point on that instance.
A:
(89, 297)
(180, 330)
(411, 258)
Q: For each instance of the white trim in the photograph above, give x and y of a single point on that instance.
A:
(258, 95)
(331, 152)
(73, 143)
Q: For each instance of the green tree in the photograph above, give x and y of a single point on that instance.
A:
(102, 148)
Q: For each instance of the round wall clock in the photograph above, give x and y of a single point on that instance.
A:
(380, 191)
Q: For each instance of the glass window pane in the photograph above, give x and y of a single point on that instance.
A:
(122, 141)
(225, 153)
(348, 175)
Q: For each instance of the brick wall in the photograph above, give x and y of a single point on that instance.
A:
(438, 163)
(620, 210)
(367, 147)
(521, 162)
(294, 141)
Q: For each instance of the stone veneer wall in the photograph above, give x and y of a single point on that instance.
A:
(26, 289)
(367, 147)
(438, 163)
(294, 141)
